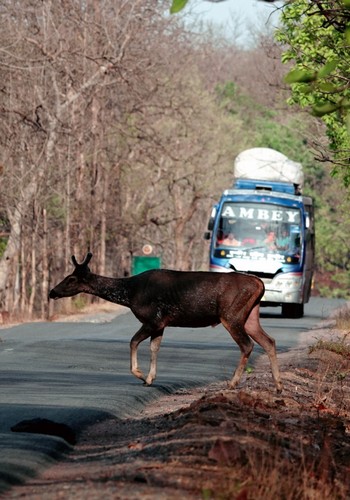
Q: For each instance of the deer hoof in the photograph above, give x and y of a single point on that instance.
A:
(279, 389)
(149, 381)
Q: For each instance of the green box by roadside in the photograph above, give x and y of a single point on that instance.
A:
(139, 264)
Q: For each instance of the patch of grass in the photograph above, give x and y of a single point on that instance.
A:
(333, 371)
(339, 346)
(342, 319)
(271, 477)
(79, 302)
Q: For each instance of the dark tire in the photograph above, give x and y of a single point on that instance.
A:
(292, 310)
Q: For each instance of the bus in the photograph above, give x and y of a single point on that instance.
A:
(266, 227)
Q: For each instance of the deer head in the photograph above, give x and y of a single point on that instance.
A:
(74, 283)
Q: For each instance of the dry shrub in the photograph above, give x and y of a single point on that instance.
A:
(342, 319)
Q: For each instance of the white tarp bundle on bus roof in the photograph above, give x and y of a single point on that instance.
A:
(265, 164)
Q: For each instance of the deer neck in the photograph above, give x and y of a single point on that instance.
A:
(111, 289)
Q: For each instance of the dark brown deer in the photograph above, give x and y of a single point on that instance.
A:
(160, 298)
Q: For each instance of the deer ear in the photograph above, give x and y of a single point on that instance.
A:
(87, 259)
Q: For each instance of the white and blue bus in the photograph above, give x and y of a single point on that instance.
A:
(266, 229)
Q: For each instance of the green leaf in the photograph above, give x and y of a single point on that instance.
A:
(306, 89)
(325, 109)
(347, 121)
(328, 68)
(345, 103)
(346, 3)
(347, 35)
(328, 87)
(177, 5)
(300, 76)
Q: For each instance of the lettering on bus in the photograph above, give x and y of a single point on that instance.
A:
(235, 211)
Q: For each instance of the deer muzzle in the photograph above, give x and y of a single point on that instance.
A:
(53, 294)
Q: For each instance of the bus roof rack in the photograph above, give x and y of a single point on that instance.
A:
(258, 185)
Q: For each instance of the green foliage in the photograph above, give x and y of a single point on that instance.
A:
(55, 208)
(177, 5)
(4, 229)
(226, 92)
(285, 137)
(301, 76)
(79, 302)
(271, 129)
(317, 43)
(332, 228)
(3, 245)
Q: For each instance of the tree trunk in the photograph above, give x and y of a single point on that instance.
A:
(33, 274)
(10, 254)
(45, 270)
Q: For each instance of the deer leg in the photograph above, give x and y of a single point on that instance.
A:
(156, 340)
(255, 331)
(139, 337)
(237, 332)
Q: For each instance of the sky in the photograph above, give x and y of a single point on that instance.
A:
(245, 14)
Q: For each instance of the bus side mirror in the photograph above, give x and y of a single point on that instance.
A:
(211, 224)
(207, 235)
(212, 219)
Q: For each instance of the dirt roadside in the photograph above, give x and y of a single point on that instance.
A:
(215, 443)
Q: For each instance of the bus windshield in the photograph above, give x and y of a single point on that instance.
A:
(259, 226)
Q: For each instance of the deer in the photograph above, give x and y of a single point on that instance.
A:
(161, 298)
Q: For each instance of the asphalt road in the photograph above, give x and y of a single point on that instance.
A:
(78, 373)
